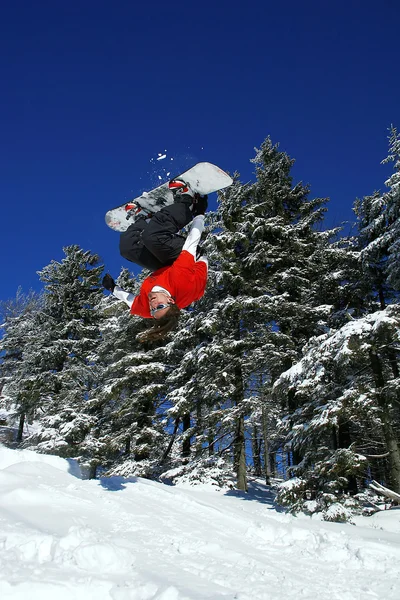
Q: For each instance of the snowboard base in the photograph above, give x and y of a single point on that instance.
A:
(203, 178)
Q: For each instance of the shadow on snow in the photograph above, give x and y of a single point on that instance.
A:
(258, 492)
(116, 483)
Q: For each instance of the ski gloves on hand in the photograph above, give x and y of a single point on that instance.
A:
(200, 205)
(108, 283)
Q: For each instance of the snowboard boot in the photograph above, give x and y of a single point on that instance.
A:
(200, 205)
(135, 211)
(179, 187)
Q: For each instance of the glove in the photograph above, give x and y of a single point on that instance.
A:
(108, 283)
(200, 252)
(200, 205)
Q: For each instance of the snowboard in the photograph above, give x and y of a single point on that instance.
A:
(203, 178)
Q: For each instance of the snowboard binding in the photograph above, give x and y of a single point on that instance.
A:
(178, 187)
(134, 211)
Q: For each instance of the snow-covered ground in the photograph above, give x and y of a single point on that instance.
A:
(64, 538)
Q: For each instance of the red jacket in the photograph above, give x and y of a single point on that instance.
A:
(185, 280)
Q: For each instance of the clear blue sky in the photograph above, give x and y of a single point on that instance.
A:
(91, 91)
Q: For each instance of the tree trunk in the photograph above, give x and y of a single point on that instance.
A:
(211, 438)
(21, 428)
(240, 455)
(186, 440)
(387, 426)
(267, 458)
(171, 441)
(239, 446)
(272, 464)
(198, 444)
(256, 448)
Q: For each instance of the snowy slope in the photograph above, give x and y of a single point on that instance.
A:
(63, 538)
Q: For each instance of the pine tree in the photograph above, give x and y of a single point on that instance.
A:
(20, 388)
(64, 352)
(348, 391)
(266, 302)
(393, 211)
(130, 393)
(379, 232)
(332, 428)
(197, 438)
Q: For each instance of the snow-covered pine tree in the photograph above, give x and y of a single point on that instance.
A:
(128, 400)
(267, 300)
(393, 210)
(378, 219)
(348, 417)
(328, 447)
(19, 386)
(64, 352)
(183, 394)
(195, 451)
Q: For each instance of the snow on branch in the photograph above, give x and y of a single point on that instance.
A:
(377, 487)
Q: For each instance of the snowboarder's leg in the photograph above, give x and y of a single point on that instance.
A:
(156, 243)
(161, 235)
(132, 248)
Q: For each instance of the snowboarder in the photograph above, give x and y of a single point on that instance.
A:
(179, 275)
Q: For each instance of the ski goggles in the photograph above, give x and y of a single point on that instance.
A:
(157, 308)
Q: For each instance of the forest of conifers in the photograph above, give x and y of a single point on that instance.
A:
(287, 368)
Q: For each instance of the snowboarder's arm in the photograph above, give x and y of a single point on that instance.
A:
(110, 285)
(127, 297)
(194, 236)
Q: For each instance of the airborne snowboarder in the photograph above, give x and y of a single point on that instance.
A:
(179, 275)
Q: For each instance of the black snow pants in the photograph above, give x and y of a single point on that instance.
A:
(157, 244)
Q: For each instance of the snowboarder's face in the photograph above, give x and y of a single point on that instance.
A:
(159, 303)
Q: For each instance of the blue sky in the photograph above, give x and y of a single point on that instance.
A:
(91, 91)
